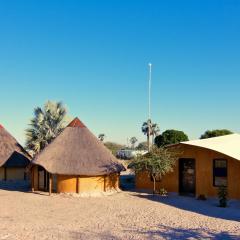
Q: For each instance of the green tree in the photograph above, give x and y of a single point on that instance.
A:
(157, 163)
(101, 137)
(142, 146)
(150, 129)
(154, 131)
(133, 141)
(215, 133)
(47, 123)
(170, 136)
(146, 129)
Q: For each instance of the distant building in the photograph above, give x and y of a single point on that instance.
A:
(129, 153)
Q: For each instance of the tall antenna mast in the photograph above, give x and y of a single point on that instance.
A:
(149, 90)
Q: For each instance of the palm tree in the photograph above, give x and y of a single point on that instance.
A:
(150, 129)
(101, 137)
(133, 140)
(47, 123)
(154, 131)
(146, 129)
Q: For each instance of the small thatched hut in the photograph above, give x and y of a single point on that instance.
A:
(75, 162)
(13, 158)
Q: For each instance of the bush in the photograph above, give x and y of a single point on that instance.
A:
(163, 192)
(222, 196)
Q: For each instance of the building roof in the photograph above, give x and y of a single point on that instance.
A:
(12, 153)
(76, 151)
(228, 145)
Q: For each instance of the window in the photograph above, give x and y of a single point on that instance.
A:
(219, 172)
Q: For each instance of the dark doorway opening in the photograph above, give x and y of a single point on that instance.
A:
(187, 176)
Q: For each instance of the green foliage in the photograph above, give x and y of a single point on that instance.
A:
(142, 146)
(156, 163)
(163, 192)
(170, 136)
(133, 141)
(150, 129)
(46, 125)
(153, 128)
(222, 196)
(113, 147)
(215, 133)
(101, 137)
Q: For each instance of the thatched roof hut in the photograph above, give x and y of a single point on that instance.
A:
(12, 153)
(77, 152)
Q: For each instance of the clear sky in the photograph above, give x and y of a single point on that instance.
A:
(94, 55)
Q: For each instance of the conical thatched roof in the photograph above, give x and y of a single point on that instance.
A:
(12, 153)
(76, 151)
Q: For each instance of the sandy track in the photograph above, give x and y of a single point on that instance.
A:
(124, 215)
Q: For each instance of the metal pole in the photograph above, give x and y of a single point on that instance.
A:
(149, 90)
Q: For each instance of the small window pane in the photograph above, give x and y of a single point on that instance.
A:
(220, 181)
(220, 163)
(220, 172)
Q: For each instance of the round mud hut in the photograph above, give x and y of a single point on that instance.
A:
(76, 162)
(13, 158)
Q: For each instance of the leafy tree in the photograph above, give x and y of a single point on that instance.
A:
(146, 131)
(157, 163)
(170, 137)
(113, 147)
(133, 141)
(46, 125)
(215, 133)
(142, 146)
(150, 129)
(101, 137)
(154, 131)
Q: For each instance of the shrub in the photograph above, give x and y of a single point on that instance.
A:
(222, 196)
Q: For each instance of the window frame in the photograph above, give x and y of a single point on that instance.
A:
(213, 171)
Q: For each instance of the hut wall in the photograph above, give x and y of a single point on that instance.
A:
(204, 174)
(15, 173)
(2, 175)
(91, 184)
(35, 180)
(111, 182)
(68, 184)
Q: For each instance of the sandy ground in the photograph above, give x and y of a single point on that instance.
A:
(125, 215)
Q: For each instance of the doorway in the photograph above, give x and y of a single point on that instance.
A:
(187, 176)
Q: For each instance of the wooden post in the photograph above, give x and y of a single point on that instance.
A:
(104, 183)
(77, 190)
(50, 184)
(32, 179)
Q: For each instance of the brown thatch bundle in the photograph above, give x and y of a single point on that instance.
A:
(12, 153)
(76, 151)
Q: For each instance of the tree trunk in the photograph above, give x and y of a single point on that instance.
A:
(148, 141)
(154, 184)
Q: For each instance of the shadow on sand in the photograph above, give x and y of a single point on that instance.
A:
(162, 232)
(208, 208)
(166, 232)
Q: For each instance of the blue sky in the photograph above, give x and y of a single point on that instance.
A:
(94, 55)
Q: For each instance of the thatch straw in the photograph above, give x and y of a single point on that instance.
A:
(76, 151)
(12, 153)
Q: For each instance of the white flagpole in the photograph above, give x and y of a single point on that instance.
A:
(149, 103)
(149, 90)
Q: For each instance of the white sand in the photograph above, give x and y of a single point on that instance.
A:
(124, 215)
